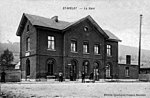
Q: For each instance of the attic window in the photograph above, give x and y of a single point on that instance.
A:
(85, 28)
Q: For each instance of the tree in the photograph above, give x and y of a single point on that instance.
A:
(7, 57)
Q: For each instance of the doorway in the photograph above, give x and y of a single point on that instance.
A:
(73, 70)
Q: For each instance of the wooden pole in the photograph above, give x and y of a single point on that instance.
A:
(139, 56)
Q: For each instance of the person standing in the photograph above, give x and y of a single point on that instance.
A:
(60, 77)
(83, 77)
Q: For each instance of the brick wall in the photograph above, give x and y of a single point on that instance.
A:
(133, 71)
(12, 75)
(39, 53)
(113, 59)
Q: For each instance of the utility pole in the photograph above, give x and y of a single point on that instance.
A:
(139, 56)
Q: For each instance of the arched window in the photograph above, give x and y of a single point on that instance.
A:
(50, 67)
(96, 71)
(96, 65)
(108, 70)
(74, 65)
(85, 67)
(73, 70)
(28, 67)
(28, 44)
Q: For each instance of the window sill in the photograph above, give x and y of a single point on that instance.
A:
(73, 52)
(28, 50)
(51, 49)
(27, 53)
(109, 55)
(86, 53)
(96, 54)
(108, 77)
(50, 76)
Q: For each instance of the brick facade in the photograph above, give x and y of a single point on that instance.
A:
(133, 71)
(62, 58)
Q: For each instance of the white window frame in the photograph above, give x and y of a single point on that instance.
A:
(51, 43)
(86, 47)
(109, 50)
(97, 49)
(73, 46)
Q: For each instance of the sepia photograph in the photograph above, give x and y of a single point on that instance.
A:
(74, 49)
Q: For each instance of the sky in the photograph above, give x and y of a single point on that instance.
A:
(121, 17)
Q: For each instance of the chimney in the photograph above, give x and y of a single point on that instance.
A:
(55, 18)
(128, 59)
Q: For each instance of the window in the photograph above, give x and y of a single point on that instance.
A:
(127, 71)
(85, 28)
(51, 42)
(27, 28)
(73, 46)
(97, 49)
(85, 47)
(109, 50)
(108, 70)
(28, 44)
(85, 67)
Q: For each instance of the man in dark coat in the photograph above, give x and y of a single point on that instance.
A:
(60, 76)
(83, 77)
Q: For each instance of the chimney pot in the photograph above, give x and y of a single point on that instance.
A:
(55, 18)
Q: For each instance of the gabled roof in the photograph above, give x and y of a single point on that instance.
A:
(112, 37)
(92, 21)
(60, 25)
(47, 22)
(41, 21)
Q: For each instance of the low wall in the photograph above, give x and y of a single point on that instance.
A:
(12, 75)
(144, 77)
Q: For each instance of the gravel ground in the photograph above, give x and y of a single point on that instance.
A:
(76, 90)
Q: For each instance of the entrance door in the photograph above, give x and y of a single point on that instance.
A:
(50, 69)
(96, 71)
(73, 70)
(27, 67)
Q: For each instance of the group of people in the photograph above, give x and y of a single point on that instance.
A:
(93, 76)
(60, 77)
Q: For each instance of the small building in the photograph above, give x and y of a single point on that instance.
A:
(128, 70)
(144, 72)
(49, 46)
